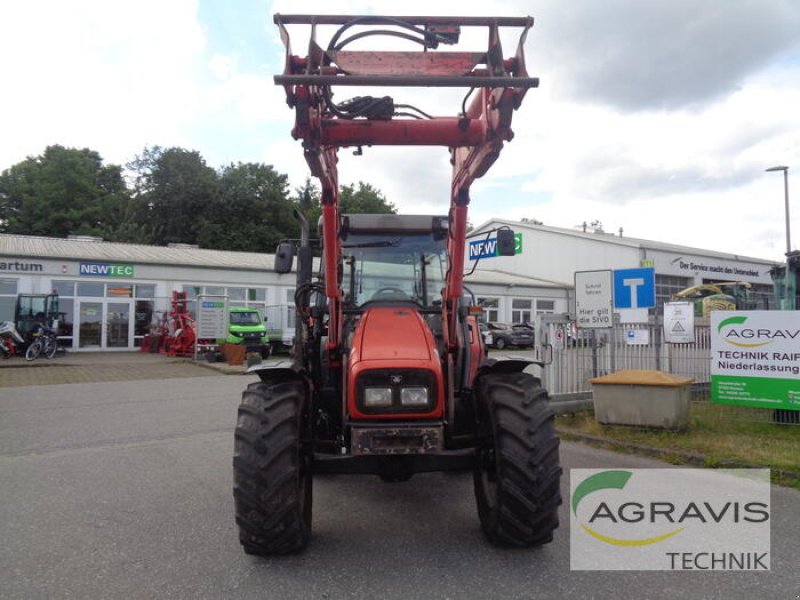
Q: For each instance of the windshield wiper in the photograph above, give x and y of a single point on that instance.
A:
(381, 244)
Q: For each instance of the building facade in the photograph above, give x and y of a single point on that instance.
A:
(557, 254)
(112, 294)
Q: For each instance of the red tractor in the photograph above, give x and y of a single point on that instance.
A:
(389, 374)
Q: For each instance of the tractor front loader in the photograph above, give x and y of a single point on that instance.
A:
(389, 374)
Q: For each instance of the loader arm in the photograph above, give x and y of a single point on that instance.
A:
(474, 136)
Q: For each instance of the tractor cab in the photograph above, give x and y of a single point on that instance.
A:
(34, 309)
(394, 259)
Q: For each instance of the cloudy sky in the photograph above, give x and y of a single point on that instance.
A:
(657, 117)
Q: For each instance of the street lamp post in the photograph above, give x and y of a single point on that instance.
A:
(786, 199)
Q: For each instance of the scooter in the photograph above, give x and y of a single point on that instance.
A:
(10, 339)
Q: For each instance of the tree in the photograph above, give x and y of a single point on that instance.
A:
(176, 190)
(63, 191)
(363, 199)
(252, 211)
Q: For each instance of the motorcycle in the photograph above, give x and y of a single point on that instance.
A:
(10, 339)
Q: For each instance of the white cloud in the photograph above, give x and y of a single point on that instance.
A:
(107, 75)
(658, 117)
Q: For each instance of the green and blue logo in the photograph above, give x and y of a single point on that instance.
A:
(96, 269)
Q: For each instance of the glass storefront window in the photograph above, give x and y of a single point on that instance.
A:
(119, 291)
(545, 307)
(64, 288)
(491, 308)
(192, 291)
(7, 308)
(215, 291)
(236, 293)
(143, 316)
(520, 310)
(257, 294)
(8, 286)
(145, 290)
(66, 316)
(91, 290)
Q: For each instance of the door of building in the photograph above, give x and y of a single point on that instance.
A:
(104, 324)
(90, 325)
(118, 324)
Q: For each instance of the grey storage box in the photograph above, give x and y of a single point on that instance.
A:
(649, 398)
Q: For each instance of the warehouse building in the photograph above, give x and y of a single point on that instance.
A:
(555, 253)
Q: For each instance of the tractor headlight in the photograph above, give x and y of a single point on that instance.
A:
(377, 396)
(396, 391)
(414, 396)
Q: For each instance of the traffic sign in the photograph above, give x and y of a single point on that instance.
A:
(678, 322)
(634, 288)
(593, 299)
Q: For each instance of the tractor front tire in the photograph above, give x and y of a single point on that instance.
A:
(271, 469)
(517, 473)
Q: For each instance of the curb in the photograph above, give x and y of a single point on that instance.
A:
(223, 369)
(686, 457)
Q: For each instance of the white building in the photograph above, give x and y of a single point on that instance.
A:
(110, 293)
(553, 253)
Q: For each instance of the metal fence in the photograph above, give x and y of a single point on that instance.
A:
(576, 359)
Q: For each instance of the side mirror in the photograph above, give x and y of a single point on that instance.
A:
(506, 244)
(284, 257)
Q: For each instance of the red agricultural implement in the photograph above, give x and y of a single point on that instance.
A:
(177, 329)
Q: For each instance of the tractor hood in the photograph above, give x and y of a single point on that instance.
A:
(392, 334)
(393, 347)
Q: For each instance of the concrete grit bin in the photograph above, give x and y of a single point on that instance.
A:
(639, 397)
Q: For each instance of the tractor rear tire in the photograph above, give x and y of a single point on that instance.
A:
(271, 469)
(517, 473)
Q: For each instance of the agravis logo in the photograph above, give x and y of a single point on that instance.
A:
(734, 334)
(669, 519)
(613, 480)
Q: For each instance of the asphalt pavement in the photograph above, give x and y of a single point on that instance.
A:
(123, 490)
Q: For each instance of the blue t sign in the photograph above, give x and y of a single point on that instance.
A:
(634, 288)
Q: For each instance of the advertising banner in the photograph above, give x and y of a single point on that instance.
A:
(212, 317)
(755, 358)
(670, 520)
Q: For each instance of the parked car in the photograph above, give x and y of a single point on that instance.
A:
(501, 335)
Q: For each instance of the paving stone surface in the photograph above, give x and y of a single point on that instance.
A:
(94, 367)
